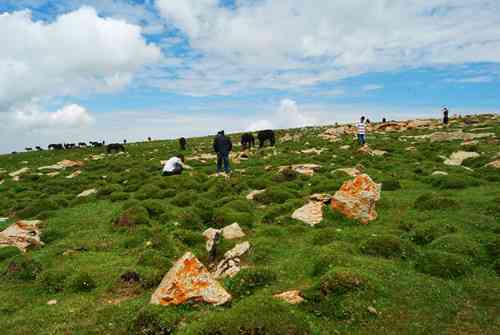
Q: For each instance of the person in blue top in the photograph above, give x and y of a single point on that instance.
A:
(222, 146)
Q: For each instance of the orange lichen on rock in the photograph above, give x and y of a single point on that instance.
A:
(356, 199)
(189, 280)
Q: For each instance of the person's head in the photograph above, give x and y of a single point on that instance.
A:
(221, 132)
(362, 119)
(181, 157)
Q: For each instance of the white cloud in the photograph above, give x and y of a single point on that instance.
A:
(472, 80)
(78, 52)
(372, 87)
(260, 125)
(284, 44)
(70, 116)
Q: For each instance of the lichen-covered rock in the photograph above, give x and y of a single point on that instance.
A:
(457, 158)
(356, 199)
(189, 280)
(293, 297)
(21, 234)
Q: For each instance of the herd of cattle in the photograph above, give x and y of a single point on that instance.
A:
(247, 141)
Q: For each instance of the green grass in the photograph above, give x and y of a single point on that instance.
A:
(427, 265)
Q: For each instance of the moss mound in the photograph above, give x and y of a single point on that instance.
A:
(431, 201)
(391, 185)
(442, 264)
(457, 244)
(23, 268)
(388, 246)
(8, 252)
(82, 282)
(247, 281)
(132, 217)
(426, 232)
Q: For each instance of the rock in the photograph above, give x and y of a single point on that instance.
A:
(411, 149)
(232, 232)
(53, 174)
(494, 164)
(189, 280)
(345, 147)
(212, 236)
(334, 134)
(231, 264)
(87, 193)
(321, 197)
(305, 169)
(457, 158)
(62, 165)
(452, 136)
(288, 137)
(473, 142)
(74, 174)
(18, 173)
(353, 172)
(356, 199)
(440, 173)
(4, 220)
(52, 302)
(251, 195)
(2, 181)
(312, 151)
(372, 310)
(293, 297)
(204, 158)
(97, 157)
(22, 234)
(372, 152)
(311, 213)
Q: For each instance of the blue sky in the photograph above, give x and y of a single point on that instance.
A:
(79, 70)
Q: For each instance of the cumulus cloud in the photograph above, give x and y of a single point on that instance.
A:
(260, 125)
(77, 52)
(287, 115)
(289, 43)
(69, 116)
(472, 80)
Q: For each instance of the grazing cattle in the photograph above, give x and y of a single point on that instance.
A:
(182, 143)
(14, 152)
(384, 120)
(69, 145)
(82, 144)
(28, 149)
(115, 147)
(149, 139)
(38, 148)
(266, 135)
(56, 147)
(95, 144)
(247, 141)
(124, 141)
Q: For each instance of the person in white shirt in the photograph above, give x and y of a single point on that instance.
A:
(175, 166)
(361, 131)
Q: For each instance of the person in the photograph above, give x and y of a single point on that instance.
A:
(175, 166)
(384, 120)
(445, 114)
(222, 146)
(361, 131)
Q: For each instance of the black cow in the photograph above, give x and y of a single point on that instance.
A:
(266, 135)
(384, 120)
(124, 141)
(56, 147)
(69, 145)
(95, 144)
(38, 148)
(247, 141)
(149, 139)
(115, 147)
(14, 152)
(182, 143)
(28, 149)
(82, 144)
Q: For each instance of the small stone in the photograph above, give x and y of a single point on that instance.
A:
(18, 173)
(372, 310)
(293, 297)
(22, 234)
(52, 302)
(87, 193)
(232, 232)
(440, 173)
(311, 213)
(251, 195)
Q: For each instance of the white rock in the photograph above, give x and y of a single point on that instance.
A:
(440, 173)
(457, 158)
(22, 234)
(252, 194)
(19, 172)
(232, 232)
(87, 193)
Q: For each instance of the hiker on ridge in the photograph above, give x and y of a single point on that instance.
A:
(361, 131)
(175, 166)
(222, 146)
(445, 115)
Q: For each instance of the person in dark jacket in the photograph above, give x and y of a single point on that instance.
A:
(222, 146)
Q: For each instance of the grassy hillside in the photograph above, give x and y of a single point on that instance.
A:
(428, 265)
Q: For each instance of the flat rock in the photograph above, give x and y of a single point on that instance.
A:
(251, 195)
(74, 174)
(457, 158)
(232, 232)
(356, 199)
(52, 302)
(87, 193)
(312, 151)
(62, 165)
(22, 234)
(494, 164)
(305, 169)
(311, 213)
(345, 147)
(189, 280)
(372, 152)
(293, 297)
(440, 173)
(19, 172)
(53, 174)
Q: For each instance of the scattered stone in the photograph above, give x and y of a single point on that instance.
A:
(204, 158)
(440, 173)
(53, 174)
(87, 193)
(452, 136)
(4, 219)
(97, 157)
(457, 158)
(353, 172)
(312, 151)
(494, 164)
(231, 264)
(251, 195)
(311, 213)
(212, 236)
(334, 134)
(19, 173)
(74, 174)
(189, 280)
(356, 199)
(345, 147)
(232, 232)
(411, 149)
(372, 152)
(22, 234)
(473, 142)
(62, 165)
(321, 197)
(293, 297)
(305, 169)
(372, 310)
(2, 181)
(52, 302)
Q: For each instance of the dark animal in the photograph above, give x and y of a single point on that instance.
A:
(28, 149)
(124, 141)
(384, 120)
(149, 139)
(266, 135)
(247, 141)
(95, 144)
(14, 152)
(56, 147)
(182, 143)
(82, 144)
(69, 145)
(115, 147)
(38, 148)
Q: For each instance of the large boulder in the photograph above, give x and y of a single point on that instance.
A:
(457, 158)
(189, 280)
(356, 199)
(22, 235)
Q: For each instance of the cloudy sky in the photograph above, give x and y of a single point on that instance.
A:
(80, 70)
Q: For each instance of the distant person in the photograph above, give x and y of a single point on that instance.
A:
(222, 146)
(445, 115)
(182, 143)
(175, 166)
(384, 120)
(361, 131)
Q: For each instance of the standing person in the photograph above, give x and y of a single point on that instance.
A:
(175, 165)
(361, 131)
(445, 115)
(222, 146)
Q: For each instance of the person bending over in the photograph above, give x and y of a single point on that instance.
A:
(175, 166)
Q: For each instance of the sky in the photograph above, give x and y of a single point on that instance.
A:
(84, 70)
